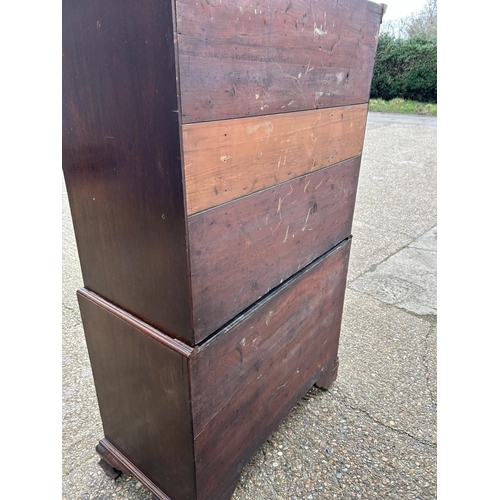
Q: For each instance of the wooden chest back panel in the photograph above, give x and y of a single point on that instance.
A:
(143, 393)
(242, 58)
(121, 157)
(247, 378)
(241, 250)
(225, 160)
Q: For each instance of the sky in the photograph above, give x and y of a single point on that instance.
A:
(401, 8)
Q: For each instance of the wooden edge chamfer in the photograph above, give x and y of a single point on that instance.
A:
(157, 335)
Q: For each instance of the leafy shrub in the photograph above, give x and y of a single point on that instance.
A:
(406, 68)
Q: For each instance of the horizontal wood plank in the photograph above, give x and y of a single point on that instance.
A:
(225, 160)
(246, 379)
(241, 250)
(244, 58)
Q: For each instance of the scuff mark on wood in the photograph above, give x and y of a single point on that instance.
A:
(307, 218)
(269, 316)
(286, 234)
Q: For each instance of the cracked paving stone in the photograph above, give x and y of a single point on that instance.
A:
(370, 246)
(406, 279)
(428, 241)
(387, 365)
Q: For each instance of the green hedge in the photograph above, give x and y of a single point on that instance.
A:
(406, 68)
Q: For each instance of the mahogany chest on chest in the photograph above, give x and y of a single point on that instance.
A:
(211, 152)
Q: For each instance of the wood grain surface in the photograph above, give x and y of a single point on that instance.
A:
(246, 379)
(244, 58)
(241, 250)
(142, 388)
(225, 160)
(121, 157)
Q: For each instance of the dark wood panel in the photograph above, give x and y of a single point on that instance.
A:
(143, 392)
(244, 58)
(121, 157)
(248, 377)
(227, 159)
(242, 249)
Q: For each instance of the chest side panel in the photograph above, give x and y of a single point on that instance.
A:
(121, 157)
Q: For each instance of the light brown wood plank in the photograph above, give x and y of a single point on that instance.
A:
(225, 160)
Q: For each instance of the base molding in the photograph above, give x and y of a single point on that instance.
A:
(116, 460)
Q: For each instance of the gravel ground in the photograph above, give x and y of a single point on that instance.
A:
(373, 435)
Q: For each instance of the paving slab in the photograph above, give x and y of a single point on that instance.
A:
(370, 246)
(398, 180)
(428, 241)
(385, 362)
(407, 279)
